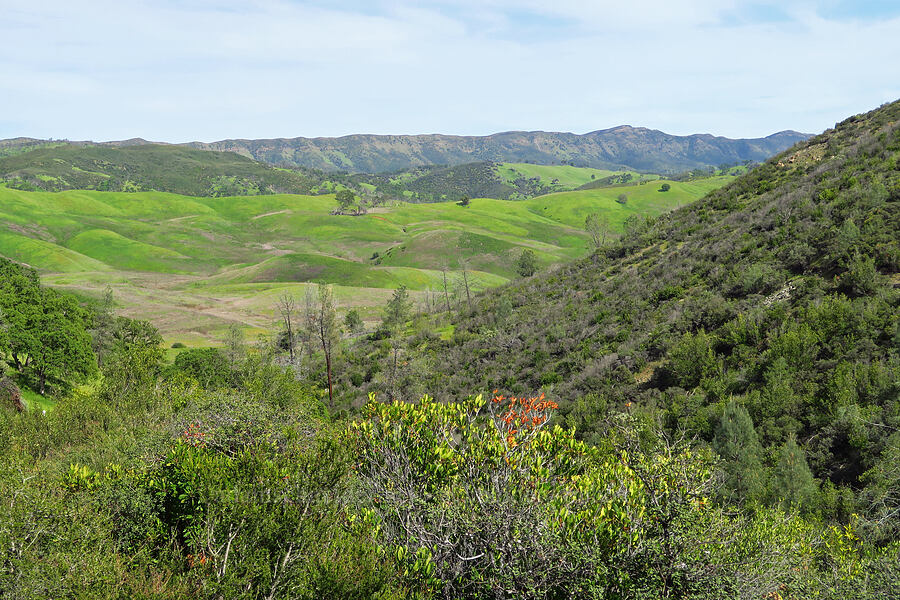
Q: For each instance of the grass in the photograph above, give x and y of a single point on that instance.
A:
(572, 208)
(565, 175)
(195, 265)
(46, 255)
(34, 401)
(562, 177)
(123, 253)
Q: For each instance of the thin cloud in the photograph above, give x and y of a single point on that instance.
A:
(179, 71)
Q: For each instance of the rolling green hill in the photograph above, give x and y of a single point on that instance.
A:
(143, 167)
(506, 181)
(194, 264)
(535, 180)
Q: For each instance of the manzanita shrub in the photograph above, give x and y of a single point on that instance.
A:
(482, 498)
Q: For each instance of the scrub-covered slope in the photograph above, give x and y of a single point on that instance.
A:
(778, 291)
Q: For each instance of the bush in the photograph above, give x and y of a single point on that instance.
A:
(526, 264)
(482, 499)
(207, 365)
(480, 504)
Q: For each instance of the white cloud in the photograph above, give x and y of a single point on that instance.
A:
(207, 70)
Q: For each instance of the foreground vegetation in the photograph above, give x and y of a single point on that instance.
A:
(224, 476)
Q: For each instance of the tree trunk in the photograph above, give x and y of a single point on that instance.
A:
(326, 349)
(466, 281)
(328, 369)
(394, 373)
(446, 294)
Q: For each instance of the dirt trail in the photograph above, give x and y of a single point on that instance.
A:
(269, 214)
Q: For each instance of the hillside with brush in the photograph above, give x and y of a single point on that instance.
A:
(775, 297)
(635, 148)
(506, 181)
(142, 167)
(704, 409)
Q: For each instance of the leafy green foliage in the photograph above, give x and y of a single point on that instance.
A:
(397, 310)
(44, 333)
(485, 499)
(483, 504)
(207, 365)
(526, 264)
(352, 321)
(792, 483)
(345, 199)
(737, 444)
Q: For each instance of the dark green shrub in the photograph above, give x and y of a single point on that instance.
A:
(207, 365)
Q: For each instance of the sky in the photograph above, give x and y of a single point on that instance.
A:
(184, 70)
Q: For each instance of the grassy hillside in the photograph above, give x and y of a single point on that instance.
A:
(776, 297)
(535, 180)
(194, 264)
(565, 175)
(164, 168)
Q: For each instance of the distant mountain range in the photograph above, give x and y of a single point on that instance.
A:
(621, 147)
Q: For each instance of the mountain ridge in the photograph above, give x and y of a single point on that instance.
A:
(620, 147)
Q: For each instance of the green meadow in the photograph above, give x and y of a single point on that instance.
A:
(561, 176)
(194, 265)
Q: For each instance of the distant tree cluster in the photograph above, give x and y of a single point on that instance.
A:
(349, 202)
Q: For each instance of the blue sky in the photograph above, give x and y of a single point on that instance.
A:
(181, 70)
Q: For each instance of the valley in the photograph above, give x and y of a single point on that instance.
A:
(677, 387)
(307, 300)
(194, 265)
